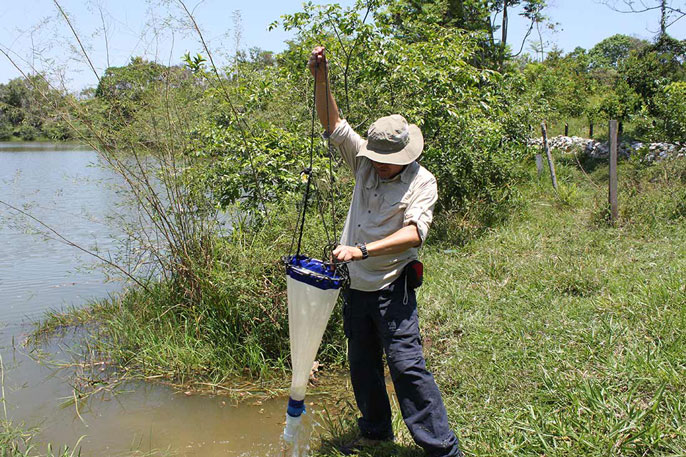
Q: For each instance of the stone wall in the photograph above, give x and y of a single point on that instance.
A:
(600, 150)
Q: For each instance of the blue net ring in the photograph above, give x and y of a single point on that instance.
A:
(313, 272)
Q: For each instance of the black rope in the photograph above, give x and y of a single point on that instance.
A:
(297, 226)
(331, 175)
(320, 205)
(340, 267)
(309, 170)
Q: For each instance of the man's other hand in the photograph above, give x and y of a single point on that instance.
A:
(318, 62)
(347, 253)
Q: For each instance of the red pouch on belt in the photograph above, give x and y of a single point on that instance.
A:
(415, 274)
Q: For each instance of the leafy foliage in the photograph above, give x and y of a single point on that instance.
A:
(670, 108)
(613, 50)
(620, 78)
(426, 72)
(653, 67)
(27, 111)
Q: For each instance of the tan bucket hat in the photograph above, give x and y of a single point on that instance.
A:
(393, 141)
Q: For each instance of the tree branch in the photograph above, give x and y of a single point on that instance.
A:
(528, 32)
(632, 9)
(72, 244)
(76, 35)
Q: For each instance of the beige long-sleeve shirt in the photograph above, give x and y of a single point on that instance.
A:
(380, 208)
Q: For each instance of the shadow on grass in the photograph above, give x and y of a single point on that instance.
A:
(582, 161)
(332, 447)
(340, 430)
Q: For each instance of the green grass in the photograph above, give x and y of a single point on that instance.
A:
(557, 334)
(554, 333)
(18, 441)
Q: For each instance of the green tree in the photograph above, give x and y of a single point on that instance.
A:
(427, 71)
(559, 86)
(670, 109)
(613, 50)
(124, 91)
(29, 110)
(653, 67)
(478, 16)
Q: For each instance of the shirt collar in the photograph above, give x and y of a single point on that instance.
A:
(405, 176)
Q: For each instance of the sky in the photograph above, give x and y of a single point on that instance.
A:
(34, 34)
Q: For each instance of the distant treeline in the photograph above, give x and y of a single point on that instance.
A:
(27, 111)
(622, 77)
(442, 67)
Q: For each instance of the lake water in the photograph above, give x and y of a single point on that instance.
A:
(66, 187)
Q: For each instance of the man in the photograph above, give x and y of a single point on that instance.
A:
(388, 219)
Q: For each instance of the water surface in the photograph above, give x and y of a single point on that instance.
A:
(66, 187)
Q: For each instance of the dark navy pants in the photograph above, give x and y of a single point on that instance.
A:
(386, 321)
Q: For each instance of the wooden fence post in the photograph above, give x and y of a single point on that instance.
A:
(539, 164)
(551, 165)
(612, 194)
(590, 130)
(566, 129)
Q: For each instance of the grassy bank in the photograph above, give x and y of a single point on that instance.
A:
(234, 340)
(553, 334)
(559, 335)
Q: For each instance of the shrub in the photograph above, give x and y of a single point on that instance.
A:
(670, 108)
(474, 132)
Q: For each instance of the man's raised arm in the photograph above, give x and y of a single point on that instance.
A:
(320, 71)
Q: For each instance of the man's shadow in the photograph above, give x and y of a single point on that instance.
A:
(338, 422)
(333, 447)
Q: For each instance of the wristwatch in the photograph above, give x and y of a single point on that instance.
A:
(363, 247)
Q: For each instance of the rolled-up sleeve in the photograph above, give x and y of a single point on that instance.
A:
(420, 208)
(348, 143)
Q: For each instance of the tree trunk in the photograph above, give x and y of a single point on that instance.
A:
(503, 29)
(663, 18)
(540, 39)
(503, 36)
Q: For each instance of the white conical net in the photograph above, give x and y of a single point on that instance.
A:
(309, 310)
(313, 289)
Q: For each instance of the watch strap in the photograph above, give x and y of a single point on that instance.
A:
(363, 247)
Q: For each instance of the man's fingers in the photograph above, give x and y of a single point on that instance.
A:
(342, 254)
(317, 57)
(318, 54)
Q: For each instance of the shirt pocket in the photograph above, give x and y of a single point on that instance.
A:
(392, 208)
(396, 197)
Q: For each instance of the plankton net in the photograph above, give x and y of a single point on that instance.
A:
(313, 290)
